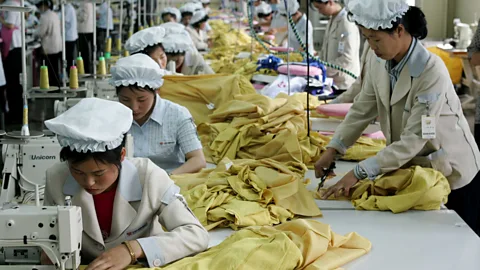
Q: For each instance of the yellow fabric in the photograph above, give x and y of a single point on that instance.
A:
(364, 148)
(302, 97)
(414, 188)
(454, 64)
(298, 244)
(196, 92)
(256, 127)
(244, 193)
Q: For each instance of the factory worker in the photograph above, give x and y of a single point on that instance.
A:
(264, 13)
(149, 42)
(187, 11)
(410, 91)
(352, 92)
(71, 34)
(278, 26)
(86, 30)
(301, 22)
(50, 33)
(104, 20)
(206, 5)
(125, 202)
(197, 30)
(180, 49)
(474, 48)
(171, 14)
(341, 43)
(162, 130)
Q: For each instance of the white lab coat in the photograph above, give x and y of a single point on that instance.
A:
(146, 200)
(301, 27)
(341, 46)
(199, 38)
(194, 64)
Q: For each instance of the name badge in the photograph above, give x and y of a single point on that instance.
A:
(341, 47)
(428, 127)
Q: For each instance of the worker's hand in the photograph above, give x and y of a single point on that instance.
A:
(342, 187)
(44, 260)
(325, 161)
(475, 59)
(117, 258)
(271, 32)
(210, 43)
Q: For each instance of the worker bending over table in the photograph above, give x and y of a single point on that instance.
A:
(474, 54)
(300, 21)
(149, 42)
(264, 13)
(197, 30)
(125, 202)
(410, 90)
(162, 130)
(341, 43)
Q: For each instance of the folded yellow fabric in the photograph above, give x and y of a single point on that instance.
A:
(297, 244)
(244, 193)
(202, 94)
(399, 191)
(302, 97)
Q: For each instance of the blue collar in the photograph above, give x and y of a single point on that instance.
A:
(129, 185)
(416, 59)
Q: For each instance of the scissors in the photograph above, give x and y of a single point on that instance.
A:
(326, 172)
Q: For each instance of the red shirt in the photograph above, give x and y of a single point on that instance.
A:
(104, 208)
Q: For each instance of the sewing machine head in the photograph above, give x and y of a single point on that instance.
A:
(26, 231)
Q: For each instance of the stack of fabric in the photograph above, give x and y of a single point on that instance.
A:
(244, 193)
(414, 188)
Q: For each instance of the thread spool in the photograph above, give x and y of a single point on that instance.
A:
(140, 28)
(118, 45)
(108, 47)
(25, 115)
(73, 77)
(126, 53)
(102, 68)
(159, 21)
(130, 34)
(151, 23)
(80, 66)
(44, 83)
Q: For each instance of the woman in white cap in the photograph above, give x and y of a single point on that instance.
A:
(125, 202)
(410, 91)
(206, 5)
(341, 43)
(171, 14)
(187, 11)
(180, 49)
(301, 22)
(162, 130)
(197, 30)
(264, 14)
(149, 41)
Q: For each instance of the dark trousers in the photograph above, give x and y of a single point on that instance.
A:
(85, 47)
(52, 61)
(70, 53)
(101, 41)
(13, 69)
(466, 202)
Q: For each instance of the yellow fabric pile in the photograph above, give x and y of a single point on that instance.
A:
(363, 148)
(202, 94)
(302, 97)
(298, 244)
(414, 188)
(257, 127)
(244, 193)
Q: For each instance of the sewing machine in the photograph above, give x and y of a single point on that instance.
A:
(463, 34)
(25, 164)
(27, 231)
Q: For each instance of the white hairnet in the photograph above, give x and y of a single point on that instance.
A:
(198, 16)
(137, 69)
(374, 14)
(178, 42)
(145, 38)
(173, 27)
(94, 124)
(188, 7)
(174, 11)
(292, 6)
(205, 1)
(198, 6)
(263, 8)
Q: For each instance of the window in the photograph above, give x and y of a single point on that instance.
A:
(411, 2)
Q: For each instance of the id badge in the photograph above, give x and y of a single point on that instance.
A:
(428, 127)
(341, 47)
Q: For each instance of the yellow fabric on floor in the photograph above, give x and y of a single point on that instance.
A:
(399, 191)
(297, 244)
(244, 193)
(202, 94)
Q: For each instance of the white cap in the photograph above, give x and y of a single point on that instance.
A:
(292, 6)
(205, 1)
(178, 42)
(93, 124)
(198, 16)
(145, 38)
(137, 69)
(374, 14)
(172, 27)
(172, 10)
(188, 7)
(263, 8)
(198, 6)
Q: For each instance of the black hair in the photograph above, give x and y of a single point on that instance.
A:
(187, 13)
(197, 24)
(113, 156)
(135, 87)
(47, 3)
(150, 49)
(171, 14)
(175, 53)
(414, 22)
(264, 15)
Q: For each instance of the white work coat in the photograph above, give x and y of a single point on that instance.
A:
(341, 46)
(199, 38)
(146, 200)
(354, 90)
(423, 85)
(301, 27)
(50, 33)
(194, 64)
